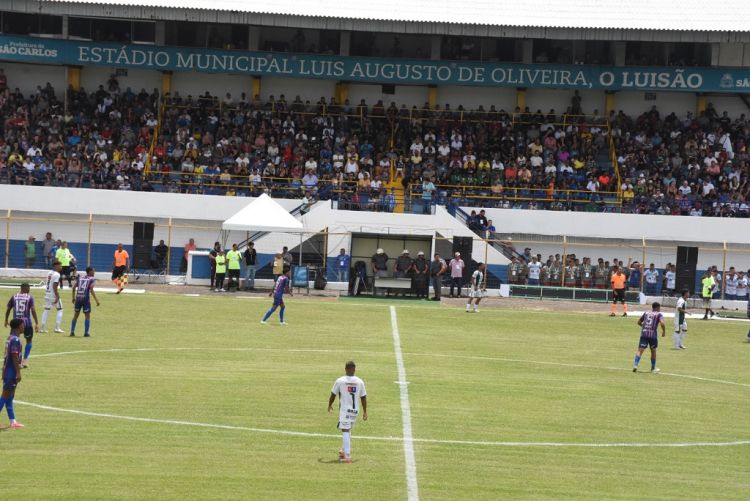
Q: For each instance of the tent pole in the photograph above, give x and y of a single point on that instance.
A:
(300, 248)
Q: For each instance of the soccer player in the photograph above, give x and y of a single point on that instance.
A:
(348, 388)
(83, 291)
(477, 288)
(52, 298)
(120, 268)
(282, 285)
(680, 322)
(748, 316)
(23, 308)
(618, 281)
(12, 370)
(649, 322)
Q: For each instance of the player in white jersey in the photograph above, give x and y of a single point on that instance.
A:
(680, 321)
(476, 288)
(348, 388)
(52, 298)
(730, 285)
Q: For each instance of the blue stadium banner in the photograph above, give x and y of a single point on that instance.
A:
(374, 70)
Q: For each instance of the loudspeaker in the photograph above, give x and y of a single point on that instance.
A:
(685, 267)
(143, 243)
(388, 89)
(143, 231)
(464, 245)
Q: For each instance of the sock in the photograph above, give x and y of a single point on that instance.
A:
(45, 314)
(281, 314)
(86, 324)
(73, 326)
(637, 360)
(653, 363)
(347, 439)
(9, 408)
(682, 337)
(268, 314)
(476, 306)
(2, 403)
(468, 306)
(676, 339)
(58, 319)
(625, 307)
(27, 350)
(614, 307)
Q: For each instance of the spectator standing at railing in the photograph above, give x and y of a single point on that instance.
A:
(601, 273)
(190, 246)
(586, 273)
(534, 271)
(250, 255)
(730, 285)
(742, 284)
(29, 251)
(428, 188)
(456, 266)
(47, 244)
(650, 278)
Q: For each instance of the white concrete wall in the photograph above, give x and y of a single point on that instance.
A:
(625, 234)
(94, 76)
(472, 97)
(291, 87)
(559, 100)
(410, 95)
(634, 103)
(124, 203)
(195, 84)
(28, 76)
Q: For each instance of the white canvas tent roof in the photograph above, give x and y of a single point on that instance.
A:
(263, 214)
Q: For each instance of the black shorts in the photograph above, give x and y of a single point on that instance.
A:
(28, 332)
(619, 295)
(65, 271)
(234, 274)
(117, 272)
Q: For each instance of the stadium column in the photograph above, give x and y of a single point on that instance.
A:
(166, 83)
(609, 102)
(74, 77)
(342, 92)
(256, 87)
(432, 96)
(700, 103)
(521, 98)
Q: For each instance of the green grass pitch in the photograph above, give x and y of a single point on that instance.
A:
(175, 363)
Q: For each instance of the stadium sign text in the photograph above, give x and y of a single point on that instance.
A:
(374, 70)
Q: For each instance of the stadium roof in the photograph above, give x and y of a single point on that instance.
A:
(675, 15)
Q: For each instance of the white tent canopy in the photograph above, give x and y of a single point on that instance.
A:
(263, 214)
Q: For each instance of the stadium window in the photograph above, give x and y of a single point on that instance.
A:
(689, 54)
(598, 52)
(645, 54)
(553, 51)
(506, 50)
(79, 27)
(144, 32)
(111, 30)
(18, 23)
(226, 36)
(464, 48)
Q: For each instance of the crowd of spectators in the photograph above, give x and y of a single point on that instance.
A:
(571, 271)
(230, 145)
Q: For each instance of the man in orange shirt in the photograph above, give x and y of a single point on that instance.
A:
(618, 292)
(120, 268)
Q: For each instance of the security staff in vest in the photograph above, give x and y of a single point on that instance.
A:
(221, 269)
(234, 261)
(437, 269)
(421, 276)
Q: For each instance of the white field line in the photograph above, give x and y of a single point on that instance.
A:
(410, 462)
(378, 439)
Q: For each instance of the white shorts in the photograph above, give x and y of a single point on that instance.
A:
(680, 327)
(347, 419)
(49, 302)
(478, 294)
